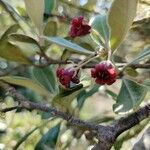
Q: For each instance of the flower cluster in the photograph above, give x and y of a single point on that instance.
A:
(67, 76)
(104, 73)
(79, 27)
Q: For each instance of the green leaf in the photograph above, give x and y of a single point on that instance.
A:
(46, 77)
(65, 97)
(23, 38)
(86, 45)
(65, 55)
(99, 23)
(83, 95)
(10, 30)
(130, 96)
(49, 139)
(24, 138)
(50, 28)
(147, 83)
(15, 16)
(21, 10)
(131, 71)
(33, 96)
(112, 94)
(49, 7)
(8, 8)
(35, 10)
(120, 19)
(26, 82)
(89, 6)
(68, 44)
(97, 38)
(69, 94)
(145, 54)
(27, 44)
(11, 52)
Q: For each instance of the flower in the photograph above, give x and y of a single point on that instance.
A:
(79, 27)
(66, 76)
(104, 73)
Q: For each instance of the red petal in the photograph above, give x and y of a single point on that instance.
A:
(99, 81)
(93, 72)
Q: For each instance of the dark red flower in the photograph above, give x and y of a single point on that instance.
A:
(79, 27)
(104, 73)
(66, 76)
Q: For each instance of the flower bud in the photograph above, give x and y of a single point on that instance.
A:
(104, 73)
(66, 76)
(79, 27)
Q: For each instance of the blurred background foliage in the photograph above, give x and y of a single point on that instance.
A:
(15, 127)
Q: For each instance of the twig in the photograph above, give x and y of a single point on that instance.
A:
(144, 66)
(64, 18)
(8, 109)
(91, 64)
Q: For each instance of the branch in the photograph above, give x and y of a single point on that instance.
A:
(106, 135)
(26, 104)
(144, 66)
(130, 121)
(91, 64)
